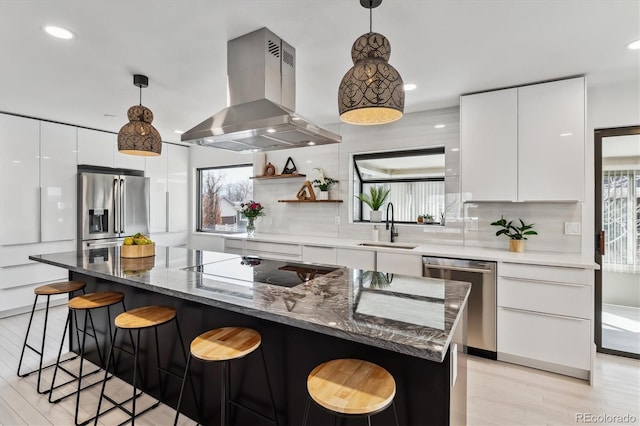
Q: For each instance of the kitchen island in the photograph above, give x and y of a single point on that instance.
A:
(413, 327)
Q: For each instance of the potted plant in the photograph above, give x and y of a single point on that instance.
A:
(374, 199)
(323, 184)
(515, 233)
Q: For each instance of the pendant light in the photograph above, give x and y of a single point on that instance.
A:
(138, 136)
(372, 91)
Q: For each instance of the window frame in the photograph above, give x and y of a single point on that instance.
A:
(199, 172)
(390, 154)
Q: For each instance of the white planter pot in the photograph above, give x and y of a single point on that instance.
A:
(375, 216)
(322, 195)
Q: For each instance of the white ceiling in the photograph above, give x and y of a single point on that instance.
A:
(446, 47)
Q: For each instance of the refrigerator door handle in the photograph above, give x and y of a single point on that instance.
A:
(123, 205)
(116, 207)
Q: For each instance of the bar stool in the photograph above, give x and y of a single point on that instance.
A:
(66, 287)
(140, 319)
(226, 344)
(351, 387)
(84, 303)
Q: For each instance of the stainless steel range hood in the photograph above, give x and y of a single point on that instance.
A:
(261, 74)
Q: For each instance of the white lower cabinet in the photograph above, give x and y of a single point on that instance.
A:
(399, 263)
(273, 250)
(319, 254)
(544, 337)
(356, 258)
(233, 246)
(544, 317)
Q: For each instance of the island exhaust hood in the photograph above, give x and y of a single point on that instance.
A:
(261, 75)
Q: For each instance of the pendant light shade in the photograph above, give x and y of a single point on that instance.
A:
(372, 91)
(138, 136)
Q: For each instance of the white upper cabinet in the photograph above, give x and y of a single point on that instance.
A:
(168, 174)
(156, 171)
(551, 141)
(96, 148)
(126, 161)
(58, 161)
(19, 180)
(177, 178)
(524, 144)
(489, 146)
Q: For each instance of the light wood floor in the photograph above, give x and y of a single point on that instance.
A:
(498, 393)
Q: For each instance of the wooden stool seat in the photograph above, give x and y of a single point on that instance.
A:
(351, 386)
(59, 288)
(96, 300)
(144, 317)
(226, 343)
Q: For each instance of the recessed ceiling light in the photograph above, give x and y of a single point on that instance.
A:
(271, 130)
(178, 132)
(409, 86)
(58, 32)
(440, 126)
(566, 134)
(311, 143)
(635, 45)
(110, 115)
(455, 149)
(309, 161)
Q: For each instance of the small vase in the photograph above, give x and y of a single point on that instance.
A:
(323, 195)
(516, 246)
(375, 216)
(251, 227)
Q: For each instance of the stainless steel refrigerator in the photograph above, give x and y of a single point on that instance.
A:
(111, 207)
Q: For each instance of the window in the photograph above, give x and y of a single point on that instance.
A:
(415, 179)
(220, 190)
(621, 220)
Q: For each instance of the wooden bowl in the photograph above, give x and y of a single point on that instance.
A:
(146, 250)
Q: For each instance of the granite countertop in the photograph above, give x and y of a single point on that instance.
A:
(413, 316)
(570, 260)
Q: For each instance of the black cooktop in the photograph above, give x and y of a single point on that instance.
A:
(255, 269)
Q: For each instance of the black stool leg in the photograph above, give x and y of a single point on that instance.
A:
(224, 392)
(193, 388)
(84, 340)
(266, 372)
(395, 413)
(306, 412)
(26, 338)
(184, 380)
(55, 370)
(135, 370)
(106, 374)
(162, 389)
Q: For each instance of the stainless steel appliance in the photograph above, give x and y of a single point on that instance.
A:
(481, 329)
(111, 206)
(261, 70)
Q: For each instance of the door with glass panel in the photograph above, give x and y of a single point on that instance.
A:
(617, 219)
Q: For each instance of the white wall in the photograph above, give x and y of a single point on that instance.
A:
(607, 106)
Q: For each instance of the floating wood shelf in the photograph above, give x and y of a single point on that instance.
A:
(284, 176)
(310, 201)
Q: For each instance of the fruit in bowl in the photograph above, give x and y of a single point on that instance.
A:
(138, 240)
(138, 245)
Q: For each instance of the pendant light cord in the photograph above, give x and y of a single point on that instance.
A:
(370, 16)
(140, 87)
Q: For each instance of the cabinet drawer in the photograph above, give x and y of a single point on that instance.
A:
(17, 276)
(546, 273)
(399, 263)
(358, 259)
(318, 254)
(543, 337)
(574, 300)
(233, 244)
(293, 250)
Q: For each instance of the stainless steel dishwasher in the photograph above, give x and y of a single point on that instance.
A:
(481, 326)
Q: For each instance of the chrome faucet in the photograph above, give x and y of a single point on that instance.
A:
(394, 233)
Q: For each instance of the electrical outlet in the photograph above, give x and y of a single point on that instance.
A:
(336, 220)
(472, 225)
(572, 228)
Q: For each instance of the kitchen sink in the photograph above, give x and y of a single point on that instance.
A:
(389, 245)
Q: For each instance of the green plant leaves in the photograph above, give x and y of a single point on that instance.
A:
(513, 231)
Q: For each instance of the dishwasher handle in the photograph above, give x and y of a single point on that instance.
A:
(457, 268)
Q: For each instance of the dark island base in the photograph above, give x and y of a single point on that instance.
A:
(424, 395)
